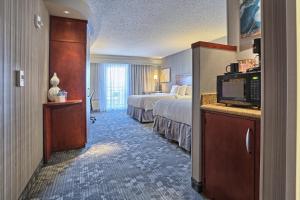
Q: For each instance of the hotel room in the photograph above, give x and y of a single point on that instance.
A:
(149, 99)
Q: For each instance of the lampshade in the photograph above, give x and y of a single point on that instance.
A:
(155, 77)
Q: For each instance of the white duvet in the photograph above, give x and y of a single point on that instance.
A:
(179, 110)
(147, 102)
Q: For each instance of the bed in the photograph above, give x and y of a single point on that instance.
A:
(173, 119)
(140, 107)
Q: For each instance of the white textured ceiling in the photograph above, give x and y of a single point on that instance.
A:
(147, 28)
(155, 28)
(78, 9)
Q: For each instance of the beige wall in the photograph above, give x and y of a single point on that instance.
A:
(213, 63)
(180, 63)
(21, 128)
(222, 40)
(291, 138)
(298, 102)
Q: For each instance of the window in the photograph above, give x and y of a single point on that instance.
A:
(114, 86)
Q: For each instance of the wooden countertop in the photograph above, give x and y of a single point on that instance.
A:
(68, 102)
(247, 112)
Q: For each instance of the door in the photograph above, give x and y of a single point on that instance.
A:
(228, 165)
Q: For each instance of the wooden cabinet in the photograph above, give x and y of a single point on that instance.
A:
(230, 156)
(65, 125)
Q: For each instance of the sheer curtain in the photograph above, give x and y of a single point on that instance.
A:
(115, 86)
(142, 79)
(111, 85)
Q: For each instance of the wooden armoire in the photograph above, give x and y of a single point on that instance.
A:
(65, 125)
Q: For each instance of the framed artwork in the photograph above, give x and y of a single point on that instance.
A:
(165, 75)
(250, 18)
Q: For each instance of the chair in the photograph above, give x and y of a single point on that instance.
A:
(92, 117)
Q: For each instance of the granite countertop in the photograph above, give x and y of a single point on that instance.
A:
(247, 112)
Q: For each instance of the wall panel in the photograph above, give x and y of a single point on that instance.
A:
(21, 129)
(1, 102)
(291, 125)
(180, 63)
(298, 100)
(274, 108)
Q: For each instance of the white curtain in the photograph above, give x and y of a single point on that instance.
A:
(111, 85)
(142, 79)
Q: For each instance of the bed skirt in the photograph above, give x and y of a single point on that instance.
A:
(140, 114)
(176, 131)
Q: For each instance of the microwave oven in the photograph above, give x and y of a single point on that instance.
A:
(240, 89)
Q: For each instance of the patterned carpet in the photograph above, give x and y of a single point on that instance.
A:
(122, 160)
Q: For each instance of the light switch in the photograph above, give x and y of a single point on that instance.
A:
(20, 78)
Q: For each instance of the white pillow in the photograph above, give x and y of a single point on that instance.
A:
(189, 91)
(181, 90)
(174, 89)
(183, 97)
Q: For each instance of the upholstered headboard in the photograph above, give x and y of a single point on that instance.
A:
(185, 79)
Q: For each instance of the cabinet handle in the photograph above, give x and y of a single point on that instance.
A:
(248, 141)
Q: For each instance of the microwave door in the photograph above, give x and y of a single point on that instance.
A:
(234, 89)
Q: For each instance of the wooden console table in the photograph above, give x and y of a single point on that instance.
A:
(64, 127)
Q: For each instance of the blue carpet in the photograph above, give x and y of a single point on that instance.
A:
(122, 160)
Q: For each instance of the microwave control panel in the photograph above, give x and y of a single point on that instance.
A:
(255, 88)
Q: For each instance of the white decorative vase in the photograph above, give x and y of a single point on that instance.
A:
(54, 81)
(53, 91)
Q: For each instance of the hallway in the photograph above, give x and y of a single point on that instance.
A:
(122, 160)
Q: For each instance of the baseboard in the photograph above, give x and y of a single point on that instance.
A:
(29, 185)
(198, 186)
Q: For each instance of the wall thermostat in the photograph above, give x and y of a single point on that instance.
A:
(20, 78)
